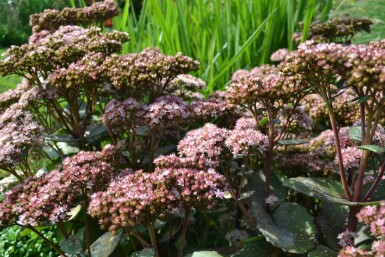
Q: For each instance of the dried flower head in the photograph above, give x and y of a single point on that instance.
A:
(139, 197)
(148, 73)
(52, 19)
(18, 134)
(49, 198)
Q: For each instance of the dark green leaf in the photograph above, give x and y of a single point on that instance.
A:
(373, 148)
(147, 252)
(165, 150)
(60, 138)
(321, 188)
(322, 251)
(259, 248)
(143, 131)
(331, 221)
(105, 244)
(257, 182)
(361, 99)
(72, 245)
(290, 228)
(94, 131)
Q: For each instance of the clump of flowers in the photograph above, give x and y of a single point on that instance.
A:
(215, 109)
(19, 133)
(52, 19)
(335, 30)
(139, 197)
(165, 109)
(121, 115)
(372, 216)
(203, 143)
(241, 142)
(147, 74)
(48, 199)
(279, 55)
(175, 161)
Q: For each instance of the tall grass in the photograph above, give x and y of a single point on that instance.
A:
(224, 35)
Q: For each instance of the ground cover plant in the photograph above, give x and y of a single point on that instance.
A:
(122, 155)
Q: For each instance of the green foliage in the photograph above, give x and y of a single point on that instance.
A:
(8, 82)
(290, 227)
(223, 35)
(14, 18)
(13, 242)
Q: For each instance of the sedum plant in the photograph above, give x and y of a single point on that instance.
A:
(130, 145)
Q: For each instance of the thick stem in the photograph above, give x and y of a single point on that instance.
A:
(375, 183)
(184, 230)
(352, 219)
(269, 156)
(249, 218)
(360, 176)
(338, 150)
(86, 225)
(57, 249)
(143, 241)
(152, 232)
(151, 153)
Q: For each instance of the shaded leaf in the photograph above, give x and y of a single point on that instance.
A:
(257, 181)
(60, 138)
(373, 148)
(94, 131)
(147, 252)
(72, 245)
(257, 247)
(322, 251)
(106, 244)
(142, 131)
(331, 221)
(164, 150)
(290, 228)
(246, 194)
(322, 188)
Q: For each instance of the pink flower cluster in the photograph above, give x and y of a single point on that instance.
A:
(48, 199)
(204, 143)
(164, 109)
(374, 217)
(18, 134)
(217, 107)
(322, 61)
(263, 85)
(241, 142)
(53, 19)
(174, 161)
(148, 73)
(49, 52)
(121, 115)
(140, 198)
(85, 73)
